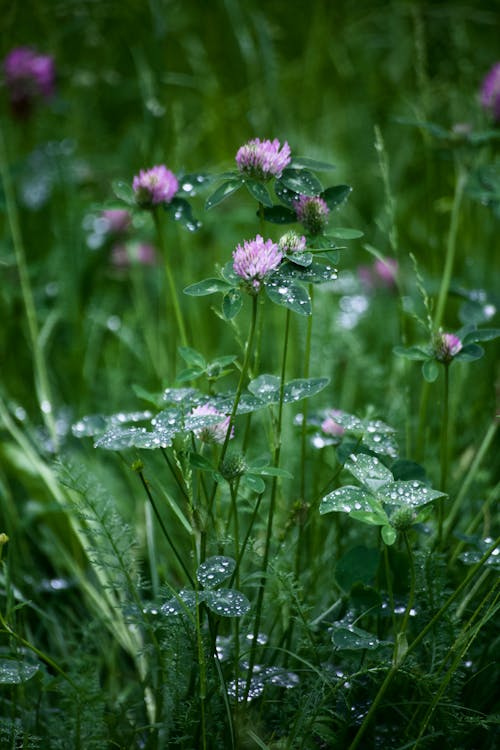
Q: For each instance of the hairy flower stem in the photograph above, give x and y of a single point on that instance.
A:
(174, 299)
(395, 666)
(272, 509)
(42, 385)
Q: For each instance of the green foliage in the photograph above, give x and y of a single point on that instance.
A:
(297, 581)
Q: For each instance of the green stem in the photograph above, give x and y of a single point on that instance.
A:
(444, 451)
(478, 459)
(389, 588)
(42, 385)
(450, 247)
(271, 513)
(163, 527)
(411, 597)
(170, 278)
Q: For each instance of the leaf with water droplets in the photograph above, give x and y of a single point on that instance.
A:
(288, 294)
(300, 258)
(180, 210)
(259, 191)
(265, 387)
(224, 191)
(354, 639)
(118, 439)
(183, 603)
(369, 470)
(96, 424)
(14, 672)
(231, 304)
(296, 390)
(335, 195)
(227, 602)
(301, 181)
(287, 196)
(357, 502)
(215, 570)
(207, 286)
(412, 494)
(315, 273)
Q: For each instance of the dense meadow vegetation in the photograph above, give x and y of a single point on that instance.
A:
(249, 392)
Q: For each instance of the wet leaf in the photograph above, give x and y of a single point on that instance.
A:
(301, 181)
(180, 210)
(288, 294)
(335, 195)
(14, 672)
(207, 286)
(227, 602)
(354, 639)
(369, 470)
(231, 304)
(350, 499)
(411, 493)
(259, 191)
(223, 191)
(215, 570)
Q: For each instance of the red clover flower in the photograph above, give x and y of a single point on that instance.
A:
(213, 433)
(446, 347)
(291, 242)
(28, 76)
(262, 160)
(253, 260)
(154, 186)
(313, 212)
(490, 91)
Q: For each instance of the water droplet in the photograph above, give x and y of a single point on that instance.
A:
(46, 407)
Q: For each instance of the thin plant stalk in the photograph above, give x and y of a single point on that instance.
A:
(271, 513)
(170, 278)
(42, 384)
(444, 450)
(451, 245)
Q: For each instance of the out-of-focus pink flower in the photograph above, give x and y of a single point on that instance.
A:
(490, 91)
(382, 274)
(123, 256)
(212, 433)
(330, 426)
(312, 211)
(263, 159)
(28, 76)
(255, 259)
(446, 347)
(117, 219)
(154, 186)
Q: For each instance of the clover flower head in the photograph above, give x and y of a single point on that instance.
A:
(262, 160)
(255, 259)
(117, 220)
(213, 433)
(446, 347)
(490, 92)
(291, 242)
(330, 426)
(154, 186)
(28, 76)
(312, 212)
